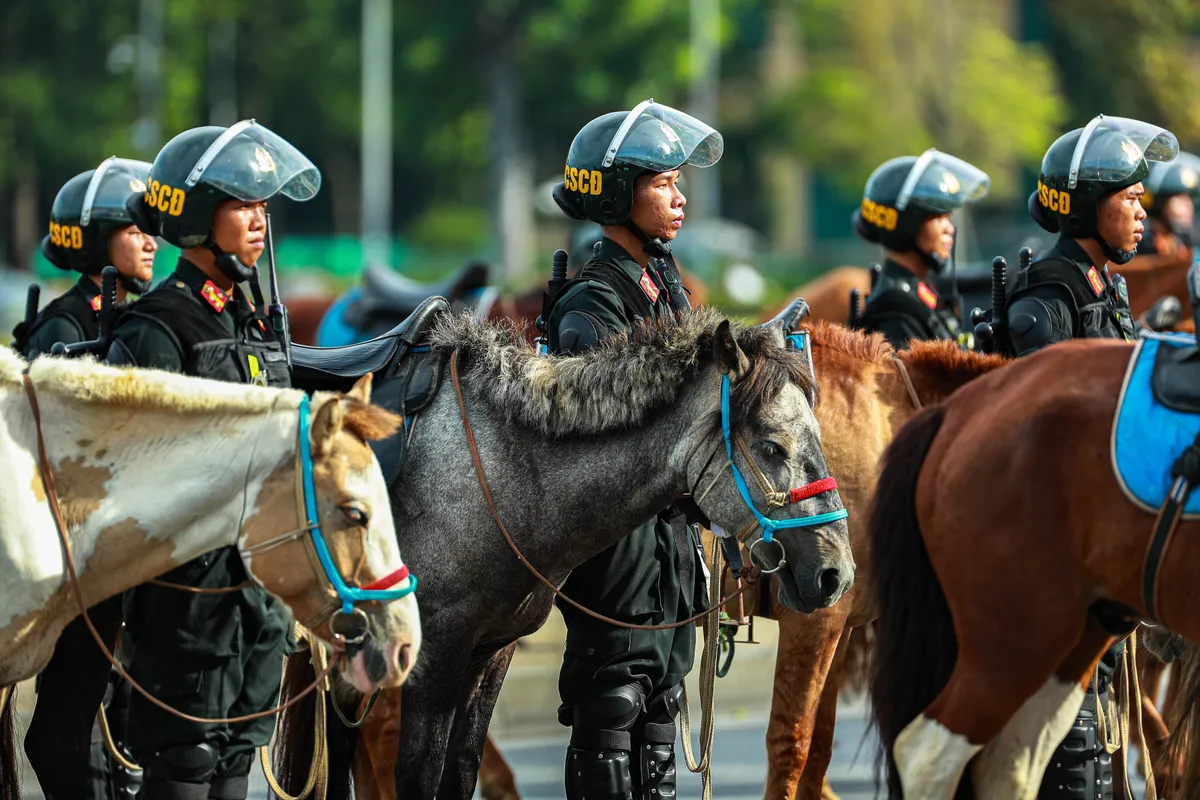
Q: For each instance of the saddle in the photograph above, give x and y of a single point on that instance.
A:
(407, 373)
(386, 291)
(1157, 418)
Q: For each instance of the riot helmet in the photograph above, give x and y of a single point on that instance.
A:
(86, 212)
(1086, 165)
(202, 167)
(612, 151)
(1171, 179)
(903, 192)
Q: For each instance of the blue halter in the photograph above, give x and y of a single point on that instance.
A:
(769, 526)
(349, 595)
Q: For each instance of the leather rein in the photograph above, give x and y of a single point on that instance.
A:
(780, 499)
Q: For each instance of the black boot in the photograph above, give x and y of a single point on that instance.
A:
(1080, 769)
(180, 773)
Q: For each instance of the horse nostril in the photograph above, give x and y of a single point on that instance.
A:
(405, 658)
(828, 582)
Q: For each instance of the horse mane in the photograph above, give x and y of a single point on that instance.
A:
(11, 366)
(85, 380)
(872, 348)
(621, 382)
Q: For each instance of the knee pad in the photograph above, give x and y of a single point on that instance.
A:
(654, 776)
(657, 726)
(603, 721)
(1079, 768)
(232, 780)
(183, 764)
(601, 774)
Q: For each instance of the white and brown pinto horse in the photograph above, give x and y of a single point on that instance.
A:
(152, 469)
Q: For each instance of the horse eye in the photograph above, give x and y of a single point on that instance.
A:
(773, 450)
(355, 515)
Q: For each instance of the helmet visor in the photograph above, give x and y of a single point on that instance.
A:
(659, 138)
(1112, 149)
(1181, 176)
(111, 185)
(252, 163)
(940, 183)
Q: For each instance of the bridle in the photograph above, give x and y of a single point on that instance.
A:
(775, 499)
(349, 596)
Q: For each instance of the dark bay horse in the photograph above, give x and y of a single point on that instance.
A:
(1004, 559)
(577, 450)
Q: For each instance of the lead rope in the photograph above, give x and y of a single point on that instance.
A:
(908, 384)
(1112, 718)
(317, 784)
(708, 681)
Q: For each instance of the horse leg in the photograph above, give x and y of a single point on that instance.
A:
(427, 719)
(378, 743)
(1012, 765)
(807, 643)
(983, 693)
(813, 785)
(471, 726)
(496, 780)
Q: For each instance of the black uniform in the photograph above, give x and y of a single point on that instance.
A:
(901, 307)
(1064, 296)
(78, 678)
(620, 688)
(205, 655)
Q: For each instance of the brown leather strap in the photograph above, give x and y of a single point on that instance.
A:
(487, 495)
(908, 384)
(198, 590)
(47, 475)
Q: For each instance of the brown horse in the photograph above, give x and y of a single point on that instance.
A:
(1000, 541)
(862, 400)
(828, 296)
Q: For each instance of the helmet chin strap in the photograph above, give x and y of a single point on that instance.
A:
(934, 262)
(1114, 254)
(229, 264)
(134, 285)
(655, 248)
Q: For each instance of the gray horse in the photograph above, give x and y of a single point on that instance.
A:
(577, 452)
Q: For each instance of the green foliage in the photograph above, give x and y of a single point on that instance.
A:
(894, 78)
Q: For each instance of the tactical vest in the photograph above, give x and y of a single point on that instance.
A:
(890, 301)
(634, 303)
(72, 304)
(1103, 315)
(255, 356)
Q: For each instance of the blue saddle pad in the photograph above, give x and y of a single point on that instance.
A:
(1147, 436)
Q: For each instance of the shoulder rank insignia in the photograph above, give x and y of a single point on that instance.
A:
(928, 296)
(213, 296)
(1095, 281)
(96, 303)
(647, 284)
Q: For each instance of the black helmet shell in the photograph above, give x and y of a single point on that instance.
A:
(86, 211)
(610, 152)
(902, 192)
(1181, 176)
(1086, 164)
(203, 166)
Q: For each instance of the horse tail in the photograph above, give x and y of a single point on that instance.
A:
(296, 729)
(1182, 717)
(915, 647)
(10, 771)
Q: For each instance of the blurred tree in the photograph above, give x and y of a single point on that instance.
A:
(894, 77)
(1131, 61)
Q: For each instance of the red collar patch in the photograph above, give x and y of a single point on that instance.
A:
(96, 303)
(1096, 282)
(214, 296)
(647, 284)
(928, 296)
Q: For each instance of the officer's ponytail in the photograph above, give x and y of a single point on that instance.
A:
(1047, 221)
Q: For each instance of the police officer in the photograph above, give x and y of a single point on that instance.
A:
(209, 655)
(620, 688)
(90, 229)
(1089, 191)
(1172, 190)
(906, 209)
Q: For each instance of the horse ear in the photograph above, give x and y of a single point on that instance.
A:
(362, 388)
(326, 425)
(730, 357)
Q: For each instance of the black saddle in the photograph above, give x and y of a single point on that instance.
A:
(406, 372)
(385, 289)
(1176, 378)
